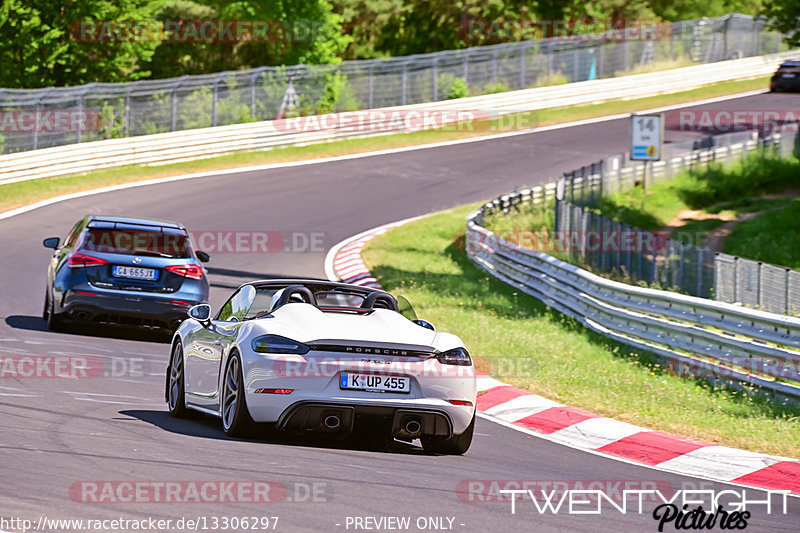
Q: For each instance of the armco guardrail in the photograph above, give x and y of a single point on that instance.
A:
(194, 144)
(690, 268)
(699, 337)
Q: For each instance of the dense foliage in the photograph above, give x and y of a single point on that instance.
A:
(43, 43)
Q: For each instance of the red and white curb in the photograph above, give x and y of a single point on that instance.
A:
(587, 431)
(343, 262)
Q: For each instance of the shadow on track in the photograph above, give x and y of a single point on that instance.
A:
(209, 427)
(37, 323)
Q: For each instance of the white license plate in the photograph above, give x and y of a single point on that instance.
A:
(788, 75)
(135, 272)
(374, 383)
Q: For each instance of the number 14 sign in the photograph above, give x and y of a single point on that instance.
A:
(647, 136)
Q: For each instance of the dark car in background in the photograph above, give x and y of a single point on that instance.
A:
(787, 78)
(124, 270)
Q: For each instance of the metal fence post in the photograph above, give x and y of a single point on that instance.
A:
(253, 78)
(126, 116)
(403, 84)
(760, 281)
(435, 75)
(575, 61)
(80, 109)
(174, 113)
(36, 123)
(700, 266)
(214, 104)
(369, 83)
(522, 58)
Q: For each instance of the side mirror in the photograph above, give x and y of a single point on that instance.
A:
(51, 242)
(203, 257)
(424, 323)
(201, 313)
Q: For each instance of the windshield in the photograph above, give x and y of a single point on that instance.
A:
(405, 308)
(338, 299)
(137, 242)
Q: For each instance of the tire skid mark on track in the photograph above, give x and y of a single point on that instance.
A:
(587, 431)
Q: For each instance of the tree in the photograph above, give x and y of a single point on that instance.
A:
(40, 47)
(298, 32)
(784, 16)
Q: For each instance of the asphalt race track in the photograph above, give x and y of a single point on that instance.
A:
(58, 434)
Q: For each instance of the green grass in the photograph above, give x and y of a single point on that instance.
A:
(718, 190)
(23, 193)
(519, 340)
(772, 237)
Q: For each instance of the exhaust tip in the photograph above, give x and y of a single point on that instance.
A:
(83, 316)
(413, 427)
(332, 422)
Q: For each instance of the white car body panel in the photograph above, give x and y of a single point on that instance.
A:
(375, 343)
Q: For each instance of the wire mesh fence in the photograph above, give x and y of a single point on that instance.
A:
(652, 257)
(155, 106)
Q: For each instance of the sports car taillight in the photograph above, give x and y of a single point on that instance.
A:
(83, 260)
(278, 344)
(456, 356)
(187, 271)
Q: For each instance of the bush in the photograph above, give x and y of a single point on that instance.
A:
(452, 86)
(555, 78)
(495, 87)
(112, 123)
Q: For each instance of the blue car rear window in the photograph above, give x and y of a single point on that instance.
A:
(164, 243)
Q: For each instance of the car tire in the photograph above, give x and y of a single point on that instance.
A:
(54, 323)
(176, 395)
(236, 420)
(455, 445)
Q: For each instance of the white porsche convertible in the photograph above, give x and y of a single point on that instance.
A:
(323, 357)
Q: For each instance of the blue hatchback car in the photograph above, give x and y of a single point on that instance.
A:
(124, 270)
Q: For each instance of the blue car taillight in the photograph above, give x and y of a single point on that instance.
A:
(456, 356)
(278, 344)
